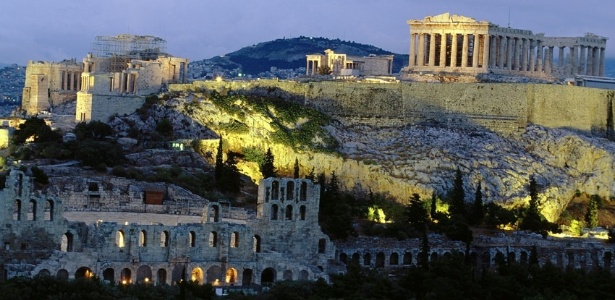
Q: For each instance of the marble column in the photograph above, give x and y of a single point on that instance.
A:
(412, 57)
(548, 59)
(517, 54)
(79, 82)
(582, 61)
(492, 51)
(454, 43)
(486, 47)
(539, 56)
(602, 62)
(510, 44)
(596, 61)
(590, 61)
(532, 56)
(475, 50)
(421, 50)
(573, 63)
(432, 49)
(524, 55)
(464, 51)
(551, 62)
(502, 47)
(443, 50)
(64, 80)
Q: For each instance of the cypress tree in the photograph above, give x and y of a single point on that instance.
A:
(311, 176)
(457, 196)
(267, 167)
(433, 205)
(296, 169)
(591, 215)
(478, 209)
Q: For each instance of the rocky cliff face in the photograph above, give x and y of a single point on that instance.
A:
(422, 159)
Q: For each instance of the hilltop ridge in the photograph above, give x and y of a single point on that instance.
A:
(284, 54)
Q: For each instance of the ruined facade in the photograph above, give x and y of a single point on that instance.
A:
(50, 83)
(282, 242)
(458, 44)
(121, 71)
(344, 65)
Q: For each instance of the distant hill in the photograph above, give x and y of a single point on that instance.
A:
(287, 54)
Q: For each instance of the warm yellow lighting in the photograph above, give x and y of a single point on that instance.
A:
(217, 282)
(376, 214)
(124, 281)
(146, 280)
(219, 78)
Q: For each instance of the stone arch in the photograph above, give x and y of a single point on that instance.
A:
(256, 244)
(109, 275)
(213, 239)
(126, 276)
(246, 277)
(275, 190)
(433, 257)
(234, 239)
(290, 190)
(214, 274)
(66, 245)
(192, 239)
(394, 259)
(274, 212)
(407, 259)
(288, 275)
(119, 239)
(49, 208)
(178, 274)
(380, 260)
(289, 212)
(356, 258)
(44, 272)
(143, 239)
(197, 275)
(303, 191)
(499, 259)
(144, 274)
(84, 272)
(32, 210)
(302, 212)
(164, 239)
(161, 276)
(17, 210)
(62, 274)
(485, 259)
(231, 276)
(367, 259)
(447, 256)
(304, 275)
(523, 259)
(512, 258)
(215, 210)
(344, 258)
(268, 276)
(322, 245)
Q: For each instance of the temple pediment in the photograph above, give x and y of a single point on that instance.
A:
(448, 18)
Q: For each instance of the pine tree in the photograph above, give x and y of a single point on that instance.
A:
(457, 196)
(311, 176)
(591, 215)
(416, 214)
(296, 169)
(478, 212)
(267, 167)
(423, 256)
(230, 180)
(219, 163)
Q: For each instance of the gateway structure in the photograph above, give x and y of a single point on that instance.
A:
(458, 44)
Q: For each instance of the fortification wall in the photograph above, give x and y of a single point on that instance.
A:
(101, 107)
(495, 106)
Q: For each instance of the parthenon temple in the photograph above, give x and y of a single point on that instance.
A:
(458, 44)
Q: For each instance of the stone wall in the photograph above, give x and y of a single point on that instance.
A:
(102, 107)
(502, 108)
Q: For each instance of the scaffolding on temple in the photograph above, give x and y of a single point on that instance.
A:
(124, 47)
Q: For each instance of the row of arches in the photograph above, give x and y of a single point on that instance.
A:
(31, 214)
(214, 275)
(394, 259)
(276, 213)
(288, 192)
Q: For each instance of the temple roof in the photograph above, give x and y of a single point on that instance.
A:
(446, 18)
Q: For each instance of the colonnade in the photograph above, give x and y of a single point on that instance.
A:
(482, 52)
(71, 80)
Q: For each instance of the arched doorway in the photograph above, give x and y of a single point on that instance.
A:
(62, 274)
(304, 275)
(178, 274)
(197, 275)
(161, 277)
(380, 260)
(231, 276)
(214, 274)
(288, 275)
(84, 272)
(44, 273)
(144, 274)
(268, 276)
(126, 276)
(246, 279)
(109, 275)
(66, 244)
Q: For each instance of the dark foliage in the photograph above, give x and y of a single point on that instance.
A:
(416, 214)
(39, 175)
(92, 130)
(267, 168)
(36, 129)
(230, 178)
(457, 196)
(296, 169)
